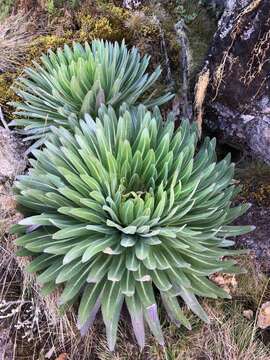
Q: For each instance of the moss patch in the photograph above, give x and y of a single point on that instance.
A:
(6, 93)
(255, 178)
(5, 8)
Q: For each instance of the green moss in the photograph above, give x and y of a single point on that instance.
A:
(255, 180)
(106, 21)
(5, 8)
(201, 26)
(43, 43)
(201, 31)
(6, 93)
(54, 5)
(95, 28)
(257, 192)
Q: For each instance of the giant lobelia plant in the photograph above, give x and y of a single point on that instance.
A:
(123, 208)
(78, 80)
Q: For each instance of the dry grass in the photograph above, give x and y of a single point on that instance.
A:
(35, 325)
(230, 335)
(16, 33)
(37, 328)
(226, 339)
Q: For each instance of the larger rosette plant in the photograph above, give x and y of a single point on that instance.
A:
(78, 80)
(123, 209)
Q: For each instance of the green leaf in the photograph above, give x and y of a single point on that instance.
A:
(96, 247)
(151, 316)
(117, 268)
(74, 285)
(128, 284)
(69, 271)
(161, 280)
(41, 262)
(111, 305)
(193, 304)
(131, 261)
(99, 268)
(135, 310)
(71, 231)
(141, 249)
(51, 272)
(89, 298)
(173, 310)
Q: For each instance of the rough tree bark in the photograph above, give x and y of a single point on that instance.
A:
(238, 66)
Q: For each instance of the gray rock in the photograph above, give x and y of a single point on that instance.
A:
(12, 159)
(238, 96)
(257, 241)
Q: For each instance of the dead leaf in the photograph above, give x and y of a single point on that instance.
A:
(226, 281)
(62, 356)
(248, 314)
(264, 316)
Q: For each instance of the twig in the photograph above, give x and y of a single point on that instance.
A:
(257, 312)
(3, 120)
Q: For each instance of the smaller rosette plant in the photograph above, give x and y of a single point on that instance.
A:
(123, 208)
(77, 80)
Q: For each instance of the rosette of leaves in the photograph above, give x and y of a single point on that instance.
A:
(78, 80)
(125, 209)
